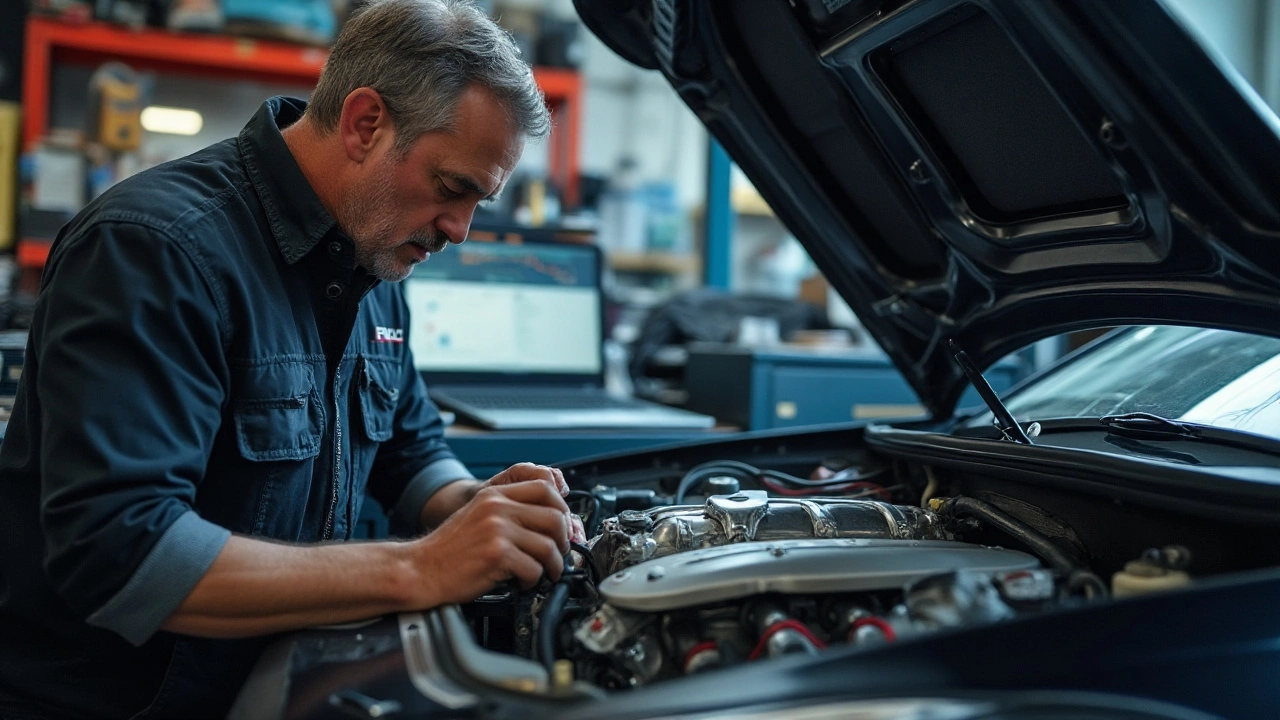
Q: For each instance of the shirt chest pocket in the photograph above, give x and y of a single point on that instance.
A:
(279, 414)
(379, 392)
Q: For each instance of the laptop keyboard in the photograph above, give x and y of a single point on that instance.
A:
(537, 401)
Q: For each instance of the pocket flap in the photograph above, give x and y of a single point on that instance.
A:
(379, 396)
(278, 416)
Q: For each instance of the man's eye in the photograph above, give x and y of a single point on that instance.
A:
(449, 193)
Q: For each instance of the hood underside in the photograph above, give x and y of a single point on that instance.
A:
(990, 171)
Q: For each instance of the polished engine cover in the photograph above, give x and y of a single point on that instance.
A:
(751, 515)
(732, 572)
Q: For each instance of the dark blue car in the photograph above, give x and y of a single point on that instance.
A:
(971, 176)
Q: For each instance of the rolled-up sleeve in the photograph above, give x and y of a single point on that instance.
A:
(416, 461)
(131, 378)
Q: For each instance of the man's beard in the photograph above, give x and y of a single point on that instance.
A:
(369, 220)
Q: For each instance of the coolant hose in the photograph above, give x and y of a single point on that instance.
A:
(549, 622)
(1013, 527)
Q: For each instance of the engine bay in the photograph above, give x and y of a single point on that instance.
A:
(741, 564)
(817, 557)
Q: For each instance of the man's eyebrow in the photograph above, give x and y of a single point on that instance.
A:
(469, 185)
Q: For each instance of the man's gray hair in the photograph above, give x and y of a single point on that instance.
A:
(420, 55)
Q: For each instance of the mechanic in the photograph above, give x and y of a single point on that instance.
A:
(217, 373)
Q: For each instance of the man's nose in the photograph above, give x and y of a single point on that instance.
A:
(456, 225)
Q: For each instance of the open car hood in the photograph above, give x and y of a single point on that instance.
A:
(993, 171)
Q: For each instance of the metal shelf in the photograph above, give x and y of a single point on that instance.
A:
(50, 41)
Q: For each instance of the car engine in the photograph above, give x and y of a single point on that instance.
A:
(746, 575)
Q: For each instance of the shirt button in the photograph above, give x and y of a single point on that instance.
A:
(333, 290)
(335, 248)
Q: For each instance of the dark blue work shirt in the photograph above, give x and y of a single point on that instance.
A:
(205, 358)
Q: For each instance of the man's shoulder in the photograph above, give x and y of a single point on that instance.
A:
(175, 196)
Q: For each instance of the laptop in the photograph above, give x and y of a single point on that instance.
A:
(510, 337)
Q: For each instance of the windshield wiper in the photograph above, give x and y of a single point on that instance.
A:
(1142, 423)
(1009, 427)
(1147, 426)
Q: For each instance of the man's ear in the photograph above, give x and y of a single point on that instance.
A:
(364, 123)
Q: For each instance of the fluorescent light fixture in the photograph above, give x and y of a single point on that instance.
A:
(174, 121)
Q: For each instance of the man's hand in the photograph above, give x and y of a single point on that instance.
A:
(513, 530)
(453, 497)
(518, 530)
(525, 472)
(528, 472)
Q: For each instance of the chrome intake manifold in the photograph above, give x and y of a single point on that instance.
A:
(751, 515)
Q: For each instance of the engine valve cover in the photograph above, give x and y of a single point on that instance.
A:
(731, 572)
(752, 515)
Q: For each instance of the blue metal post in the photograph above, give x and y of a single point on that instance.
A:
(717, 257)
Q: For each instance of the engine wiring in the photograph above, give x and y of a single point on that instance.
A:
(930, 489)
(591, 518)
(849, 491)
(775, 479)
(588, 560)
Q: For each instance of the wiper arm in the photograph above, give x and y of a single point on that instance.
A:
(1141, 423)
(1147, 426)
(1009, 427)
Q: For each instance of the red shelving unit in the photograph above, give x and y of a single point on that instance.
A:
(50, 41)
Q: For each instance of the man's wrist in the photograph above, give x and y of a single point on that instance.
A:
(411, 588)
(448, 500)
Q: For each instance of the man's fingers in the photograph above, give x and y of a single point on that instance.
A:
(532, 493)
(577, 533)
(525, 472)
(526, 570)
(542, 549)
(546, 521)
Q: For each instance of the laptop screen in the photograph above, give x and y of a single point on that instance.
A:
(485, 309)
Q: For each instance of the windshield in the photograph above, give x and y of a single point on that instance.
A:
(1213, 377)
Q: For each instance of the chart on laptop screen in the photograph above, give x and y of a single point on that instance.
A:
(484, 307)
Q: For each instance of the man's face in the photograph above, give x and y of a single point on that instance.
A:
(407, 206)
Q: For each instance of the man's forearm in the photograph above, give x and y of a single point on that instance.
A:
(256, 587)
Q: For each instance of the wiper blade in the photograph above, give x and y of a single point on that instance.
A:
(1149, 424)
(1009, 427)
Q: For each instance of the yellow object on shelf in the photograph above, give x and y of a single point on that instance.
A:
(117, 99)
(10, 138)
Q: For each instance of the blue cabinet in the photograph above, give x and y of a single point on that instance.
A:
(759, 389)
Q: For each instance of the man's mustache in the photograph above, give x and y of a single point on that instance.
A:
(433, 242)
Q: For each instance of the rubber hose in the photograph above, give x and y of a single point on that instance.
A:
(1015, 528)
(550, 622)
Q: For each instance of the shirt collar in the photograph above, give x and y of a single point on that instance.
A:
(297, 217)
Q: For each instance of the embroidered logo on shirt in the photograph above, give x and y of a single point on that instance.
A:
(388, 335)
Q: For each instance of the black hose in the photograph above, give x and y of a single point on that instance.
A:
(742, 471)
(550, 622)
(1093, 586)
(709, 470)
(1013, 527)
(590, 523)
(588, 559)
